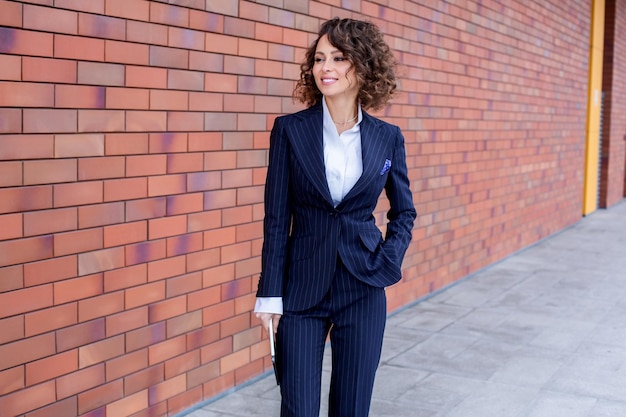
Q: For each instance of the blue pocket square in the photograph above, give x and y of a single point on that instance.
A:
(386, 166)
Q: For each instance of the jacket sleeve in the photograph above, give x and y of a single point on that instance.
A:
(401, 214)
(277, 215)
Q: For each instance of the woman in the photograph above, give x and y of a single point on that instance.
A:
(325, 263)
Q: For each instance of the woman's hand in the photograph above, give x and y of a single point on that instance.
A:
(265, 319)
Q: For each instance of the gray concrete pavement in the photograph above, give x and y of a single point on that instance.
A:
(539, 334)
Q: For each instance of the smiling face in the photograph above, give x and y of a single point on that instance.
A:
(334, 75)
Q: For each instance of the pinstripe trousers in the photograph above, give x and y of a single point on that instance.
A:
(354, 313)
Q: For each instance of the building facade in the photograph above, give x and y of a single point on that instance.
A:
(133, 149)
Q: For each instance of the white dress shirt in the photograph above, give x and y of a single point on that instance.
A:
(344, 166)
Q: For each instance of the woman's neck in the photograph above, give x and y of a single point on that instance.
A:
(344, 112)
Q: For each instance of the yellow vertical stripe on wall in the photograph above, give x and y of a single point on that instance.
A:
(596, 52)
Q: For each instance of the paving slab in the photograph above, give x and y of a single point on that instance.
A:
(541, 333)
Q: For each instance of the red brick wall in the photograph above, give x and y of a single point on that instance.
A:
(613, 175)
(133, 146)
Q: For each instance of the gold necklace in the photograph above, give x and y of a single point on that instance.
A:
(347, 121)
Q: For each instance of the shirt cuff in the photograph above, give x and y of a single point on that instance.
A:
(273, 305)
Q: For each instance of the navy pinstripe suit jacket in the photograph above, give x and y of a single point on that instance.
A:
(304, 232)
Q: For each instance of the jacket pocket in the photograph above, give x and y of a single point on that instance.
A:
(371, 239)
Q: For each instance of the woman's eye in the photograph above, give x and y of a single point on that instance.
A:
(339, 58)
(318, 60)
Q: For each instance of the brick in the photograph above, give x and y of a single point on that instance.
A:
(100, 351)
(127, 364)
(167, 389)
(50, 121)
(128, 405)
(100, 215)
(166, 268)
(220, 121)
(11, 380)
(75, 194)
(101, 168)
(168, 349)
(10, 120)
(25, 199)
(23, 94)
(46, 19)
(125, 277)
(144, 294)
(10, 67)
(25, 250)
(66, 407)
(184, 244)
(143, 379)
(11, 175)
(182, 364)
(204, 181)
(169, 14)
(137, 10)
(206, 102)
(96, 6)
(203, 259)
(186, 162)
(26, 350)
(185, 121)
(236, 215)
(78, 288)
(214, 351)
(100, 396)
(185, 38)
(49, 270)
(145, 165)
(145, 209)
(100, 306)
(101, 120)
(123, 234)
(166, 226)
(125, 144)
(219, 237)
(126, 52)
(169, 100)
(125, 189)
(185, 80)
(125, 98)
(146, 33)
(218, 275)
(25, 42)
(11, 14)
(80, 48)
(80, 145)
(79, 96)
(100, 261)
(205, 141)
(49, 319)
(206, 61)
(146, 121)
(28, 399)
(49, 171)
(11, 226)
(80, 381)
(126, 321)
(145, 336)
(167, 184)
(94, 25)
(145, 77)
(167, 309)
(168, 57)
(207, 22)
(79, 335)
(168, 142)
(51, 367)
(220, 160)
(71, 243)
(12, 330)
(220, 83)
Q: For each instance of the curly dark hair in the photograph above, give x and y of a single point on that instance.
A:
(362, 44)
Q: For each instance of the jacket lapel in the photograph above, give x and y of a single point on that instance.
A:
(307, 142)
(372, 149)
